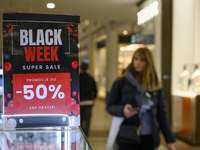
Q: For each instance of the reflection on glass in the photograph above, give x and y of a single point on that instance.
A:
(69, 138)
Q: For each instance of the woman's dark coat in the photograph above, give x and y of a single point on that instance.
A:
(124, 92)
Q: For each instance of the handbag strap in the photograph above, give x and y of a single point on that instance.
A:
(139, 129)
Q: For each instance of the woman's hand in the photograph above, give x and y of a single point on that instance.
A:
(127, 112)
(170, 146)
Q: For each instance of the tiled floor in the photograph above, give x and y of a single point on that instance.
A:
(100, 125)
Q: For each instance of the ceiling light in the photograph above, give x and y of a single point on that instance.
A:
(125, 32)
(50, 5)
(87, 22)
(122, 49)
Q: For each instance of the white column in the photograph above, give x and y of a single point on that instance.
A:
(112, 56)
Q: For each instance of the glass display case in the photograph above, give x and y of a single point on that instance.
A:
(186, 106)
(186, 113)
(186, 71)
(51, 138)
(44, 113)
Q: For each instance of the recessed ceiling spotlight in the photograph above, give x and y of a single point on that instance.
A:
(125, 32)
(122, 49)
(50, 5)
(87, 22)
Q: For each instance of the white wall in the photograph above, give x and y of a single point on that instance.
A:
(157, 32)
(112, 56)
(186, 36)
(197, 31)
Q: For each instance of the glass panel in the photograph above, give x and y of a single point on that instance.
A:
(56, 138)
(186, 70)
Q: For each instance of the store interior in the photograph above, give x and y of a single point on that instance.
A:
(186, 72)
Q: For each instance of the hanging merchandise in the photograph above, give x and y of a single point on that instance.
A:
(195, 80)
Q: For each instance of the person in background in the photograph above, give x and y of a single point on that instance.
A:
(138, 98)
(88, 92)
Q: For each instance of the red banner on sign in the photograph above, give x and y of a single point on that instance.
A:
(42, 93)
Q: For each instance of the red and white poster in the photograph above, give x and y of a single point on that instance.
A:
(41, 70)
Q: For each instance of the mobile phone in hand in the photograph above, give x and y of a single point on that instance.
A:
(134, 108)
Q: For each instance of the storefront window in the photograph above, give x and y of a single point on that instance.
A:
(186, 70)
(147, 35)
